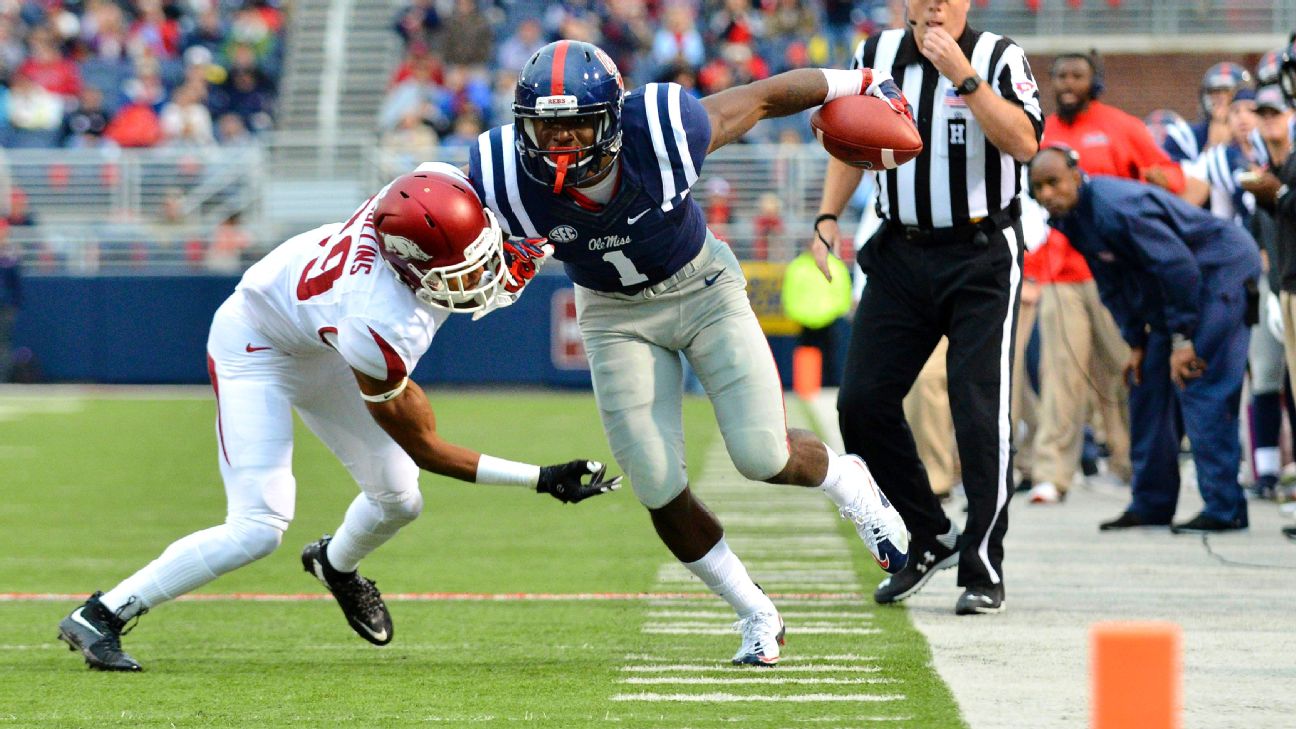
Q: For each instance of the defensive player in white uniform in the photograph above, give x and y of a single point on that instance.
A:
(605, 176)
(330, 324)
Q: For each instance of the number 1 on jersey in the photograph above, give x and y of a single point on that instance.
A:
(630, 275)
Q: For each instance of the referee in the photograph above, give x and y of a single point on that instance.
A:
(946, 261)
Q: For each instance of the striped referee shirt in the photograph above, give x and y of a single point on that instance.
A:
(960, 175)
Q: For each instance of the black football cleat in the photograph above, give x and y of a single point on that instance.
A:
(96, 631)
(359, 598)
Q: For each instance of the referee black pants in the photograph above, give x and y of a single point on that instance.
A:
(966, 289)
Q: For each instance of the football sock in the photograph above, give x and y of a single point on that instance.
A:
(368, 525)
(841, 491)
(191, 562)
(725, 574)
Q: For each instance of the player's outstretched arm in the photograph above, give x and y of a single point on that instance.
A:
(405, 414)
(733, 112)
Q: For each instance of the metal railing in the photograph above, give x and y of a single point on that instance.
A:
(1158, 18)
(163, 211)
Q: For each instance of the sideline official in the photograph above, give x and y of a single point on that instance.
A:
(946, 261)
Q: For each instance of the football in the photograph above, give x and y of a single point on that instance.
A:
(863, 131)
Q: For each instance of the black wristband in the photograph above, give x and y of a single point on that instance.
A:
(820, 219)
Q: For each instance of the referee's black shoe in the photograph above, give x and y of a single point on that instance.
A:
(926, 557)
(981, 600)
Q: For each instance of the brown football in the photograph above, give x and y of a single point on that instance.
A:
(864, 131)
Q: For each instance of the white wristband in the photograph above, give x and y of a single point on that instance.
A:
(843, 83)
(391, 395)
(500, 472)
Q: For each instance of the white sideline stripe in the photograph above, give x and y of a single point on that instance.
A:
(706, 599)
(725, 623)
(799, 658)
(709, 680)
(674, 598)
(721, 698)
(673, 630)
(727, 614)
(702, 667)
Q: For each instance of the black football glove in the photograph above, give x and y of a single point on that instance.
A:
(567, 481)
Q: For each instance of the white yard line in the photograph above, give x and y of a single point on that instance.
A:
(722, 698)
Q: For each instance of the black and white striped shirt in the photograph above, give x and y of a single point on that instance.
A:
(960, 175)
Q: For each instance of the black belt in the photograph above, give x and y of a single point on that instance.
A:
(993, 222)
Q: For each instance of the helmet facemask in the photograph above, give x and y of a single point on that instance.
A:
(562, 167)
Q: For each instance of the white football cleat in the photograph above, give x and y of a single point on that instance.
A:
(876, 520)
(762, 634)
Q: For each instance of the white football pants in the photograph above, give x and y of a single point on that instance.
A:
(256, 392)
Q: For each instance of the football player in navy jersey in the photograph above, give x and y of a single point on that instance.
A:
(1219, 83)
(605, 176)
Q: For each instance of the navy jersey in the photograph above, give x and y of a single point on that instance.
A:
(1180, 142)
(1220, 166)
(647, 231)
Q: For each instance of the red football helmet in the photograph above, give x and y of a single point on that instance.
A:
(441, 242)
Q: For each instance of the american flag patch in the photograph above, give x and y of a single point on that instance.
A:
(953, 99)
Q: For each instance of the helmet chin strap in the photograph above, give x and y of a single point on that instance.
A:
(562, 162)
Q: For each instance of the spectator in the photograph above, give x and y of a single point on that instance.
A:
(84, 126)
(792, 19)
(208, 32)
(419, 94)
(519, 47)
(47, 67)
(467, 127)
(627, 34)
(1174, 277)
(12, 52)
(185, 121)
(249, 30)
(10, 298)
(409, 144)
(417, 24)
(103, 30)
(736, 22)
(229, 241)
(32, 107)
(147, 87)
(464, 93)
(472, 41)
(678, 40)
(247, 92)
(136, 124)
(768, 229)
(153, 31)
(231, 131)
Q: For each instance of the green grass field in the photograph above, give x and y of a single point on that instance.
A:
(94, 488)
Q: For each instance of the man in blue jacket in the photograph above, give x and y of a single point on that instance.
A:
(1175, 279)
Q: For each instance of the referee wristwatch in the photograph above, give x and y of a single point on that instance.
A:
(969, 85)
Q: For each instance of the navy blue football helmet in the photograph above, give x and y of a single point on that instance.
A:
(569, 80)
(1267, 69)
(1222, 76)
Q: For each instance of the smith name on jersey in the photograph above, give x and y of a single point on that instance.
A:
(647, 231)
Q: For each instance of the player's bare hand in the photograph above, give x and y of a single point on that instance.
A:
(1185, 365)
(944, 53)
(576, 481)
(1133, 373)
(1030, 293)
(827, 241)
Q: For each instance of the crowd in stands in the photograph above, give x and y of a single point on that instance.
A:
(462, 58)
(137, 73)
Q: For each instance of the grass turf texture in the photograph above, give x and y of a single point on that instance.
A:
(95, 490)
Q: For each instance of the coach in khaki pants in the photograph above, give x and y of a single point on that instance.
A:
(927, 409)
(1082, 356)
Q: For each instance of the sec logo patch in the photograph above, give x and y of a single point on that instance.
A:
(562, 234)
